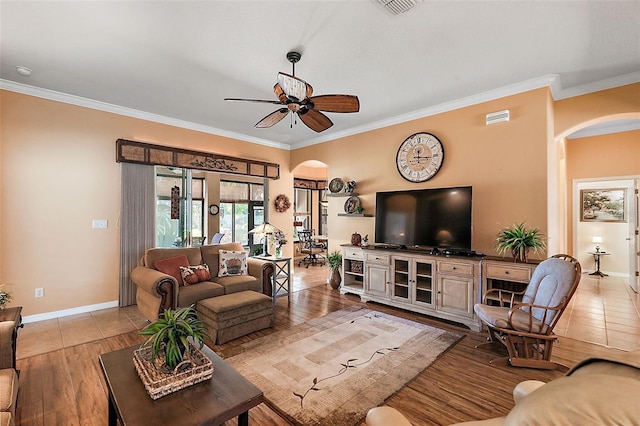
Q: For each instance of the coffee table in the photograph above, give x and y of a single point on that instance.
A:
(212, 402)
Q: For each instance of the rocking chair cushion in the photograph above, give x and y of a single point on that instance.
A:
(550, 284)
(497, 316)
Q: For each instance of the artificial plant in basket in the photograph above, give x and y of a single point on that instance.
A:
(169, 334)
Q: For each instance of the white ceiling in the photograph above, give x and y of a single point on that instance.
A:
(175, 61)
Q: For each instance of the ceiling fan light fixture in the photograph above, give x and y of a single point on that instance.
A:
(296, 97)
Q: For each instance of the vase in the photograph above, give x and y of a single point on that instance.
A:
(279, 252)
(520, 255)
(335, 279)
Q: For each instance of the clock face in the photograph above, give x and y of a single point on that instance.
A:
(420, 157)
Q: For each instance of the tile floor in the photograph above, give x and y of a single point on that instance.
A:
(604, 311)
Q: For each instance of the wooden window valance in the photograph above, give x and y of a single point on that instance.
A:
(156, 155)
(309, 183)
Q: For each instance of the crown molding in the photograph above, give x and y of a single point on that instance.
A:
(490, 95)
(130, 112)
(551, 80)
(609, 83)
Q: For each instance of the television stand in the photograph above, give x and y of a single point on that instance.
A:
(416, 280)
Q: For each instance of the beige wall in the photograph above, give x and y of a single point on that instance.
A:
(58, 173)
(605, 161)
(505, 163)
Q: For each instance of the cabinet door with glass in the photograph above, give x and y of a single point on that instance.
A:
(400, 278)
(423, 282)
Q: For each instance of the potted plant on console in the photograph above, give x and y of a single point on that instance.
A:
(517, 240)
(335, 262)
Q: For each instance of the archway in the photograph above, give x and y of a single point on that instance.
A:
(310, 207)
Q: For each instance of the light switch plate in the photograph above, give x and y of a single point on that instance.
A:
(99, 223)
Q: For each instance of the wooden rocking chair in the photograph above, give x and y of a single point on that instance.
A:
(523, 322)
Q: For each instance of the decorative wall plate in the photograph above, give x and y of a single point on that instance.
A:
(351, 204)
(336, 185)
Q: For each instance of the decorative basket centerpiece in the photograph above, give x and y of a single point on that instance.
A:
(169, 360)
(159, 381)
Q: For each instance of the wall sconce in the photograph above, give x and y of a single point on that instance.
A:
(597, 240)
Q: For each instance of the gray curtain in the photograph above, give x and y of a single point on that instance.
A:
(137, 222)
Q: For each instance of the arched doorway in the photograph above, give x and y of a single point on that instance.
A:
(310, 203)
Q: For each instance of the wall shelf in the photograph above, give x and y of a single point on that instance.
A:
(355, 214)
(341, 194)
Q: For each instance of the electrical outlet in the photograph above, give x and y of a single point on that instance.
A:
(40, 292)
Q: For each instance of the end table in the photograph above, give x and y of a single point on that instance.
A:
(13, 314)
(596, 257)
(281, 281)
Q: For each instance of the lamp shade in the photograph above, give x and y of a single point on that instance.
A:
(597, 239)
(265, 228)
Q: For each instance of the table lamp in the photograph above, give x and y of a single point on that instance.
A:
(597, 240)
(266, 229)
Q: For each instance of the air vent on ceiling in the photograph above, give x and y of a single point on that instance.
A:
(497, 117)
(398, 6)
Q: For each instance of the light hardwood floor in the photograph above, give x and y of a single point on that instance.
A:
(61, 382)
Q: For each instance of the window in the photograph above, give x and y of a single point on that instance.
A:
(241, 209)
(190, 222)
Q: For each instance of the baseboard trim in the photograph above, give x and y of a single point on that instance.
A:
(67, 312)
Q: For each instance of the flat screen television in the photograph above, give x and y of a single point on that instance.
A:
(431, 218)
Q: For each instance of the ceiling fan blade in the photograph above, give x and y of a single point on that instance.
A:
(336, 103)
(273, 118)
(280, 93)
(294, 87)
(315, 120)
(264, 101)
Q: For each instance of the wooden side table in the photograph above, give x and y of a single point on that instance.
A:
(13, 314)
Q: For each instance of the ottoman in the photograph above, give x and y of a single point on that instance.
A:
(234, 315)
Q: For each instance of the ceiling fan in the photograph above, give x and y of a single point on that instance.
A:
(295, 95)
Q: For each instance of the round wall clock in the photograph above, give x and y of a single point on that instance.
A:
(214, 209)
(420, 157)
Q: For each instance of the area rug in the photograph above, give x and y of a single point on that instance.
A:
(332, 370)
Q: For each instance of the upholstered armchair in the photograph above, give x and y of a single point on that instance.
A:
(523, 321)
(8, 375)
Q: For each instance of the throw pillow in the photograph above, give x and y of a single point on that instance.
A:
(171, 266)
(232, 263)
(195, 274)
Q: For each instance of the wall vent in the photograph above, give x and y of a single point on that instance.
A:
(397, 7)
(498, 117)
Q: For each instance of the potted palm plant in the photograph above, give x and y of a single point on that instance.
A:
(517, 240)
(335, 262)
(168, 336)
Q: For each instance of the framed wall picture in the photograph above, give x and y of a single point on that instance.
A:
(603, 205)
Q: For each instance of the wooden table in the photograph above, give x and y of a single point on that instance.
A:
(212, 402)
